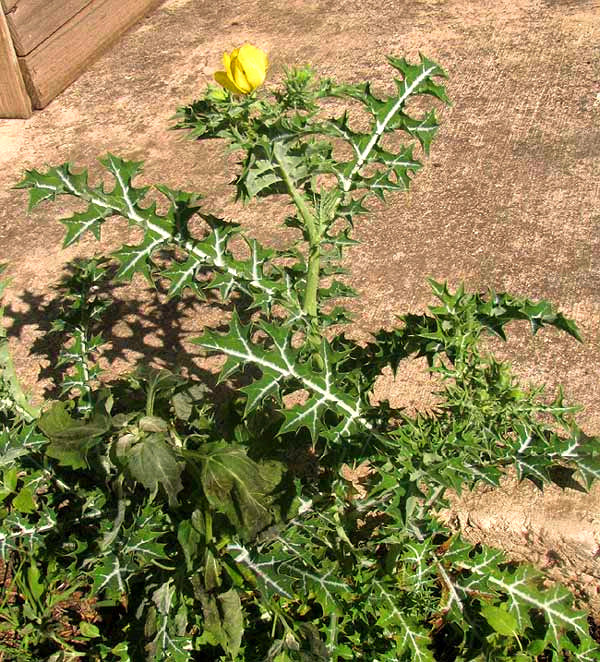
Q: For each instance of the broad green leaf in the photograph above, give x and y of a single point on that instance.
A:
(121, 650)
(10, 478)
(89, 630)
(70, 438)
(232, 620)
(212, 571)
(36, 587)
(24, 501)
(153, 462)
(500, 620)
(239, 487)
(192, 396)
(189, 539)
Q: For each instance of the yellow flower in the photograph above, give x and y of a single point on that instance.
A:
(245, 69)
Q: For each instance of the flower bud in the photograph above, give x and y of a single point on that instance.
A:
(245, 69)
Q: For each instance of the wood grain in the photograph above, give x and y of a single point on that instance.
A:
(59, 60)
(33, 21)
(7, 5)
(14, 100)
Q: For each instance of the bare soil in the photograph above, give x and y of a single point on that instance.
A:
(508, 199)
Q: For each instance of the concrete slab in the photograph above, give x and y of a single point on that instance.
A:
(509, 198)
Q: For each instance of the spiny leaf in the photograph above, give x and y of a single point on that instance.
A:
(112, 574)
(412, 636)
(169, 643)
(280, 364)
(521, 590)
(17, 442)
(90, 220)
(419, 77)
(160, 231)
(325, 584)
(389, 116)
(265, 570)
(19, 533)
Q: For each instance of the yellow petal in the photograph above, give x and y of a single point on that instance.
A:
(239, 76)
(223, 79)
(227, 64)
(254, 63)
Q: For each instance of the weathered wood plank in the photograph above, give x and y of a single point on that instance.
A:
(57, 62)
(7, 5)
(33, 21)
(14, 100)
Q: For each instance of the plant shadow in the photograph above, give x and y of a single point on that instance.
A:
(140, 326)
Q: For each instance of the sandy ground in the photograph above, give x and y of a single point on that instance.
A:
(509, 198)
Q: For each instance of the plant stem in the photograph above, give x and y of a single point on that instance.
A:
(208, 528)
(309, 304)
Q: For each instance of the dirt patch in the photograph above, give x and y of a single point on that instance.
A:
(509, 198)
(557, 529)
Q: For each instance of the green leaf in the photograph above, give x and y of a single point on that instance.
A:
(121, 650)
(266, 571)
(9, 480)
(24, 501)
(500, 620)
(189, 539)
(232, 621)
(326, 585)
(153, 424)
(36, 587)
(70, 438)
(112, 575)
(212, 571)
(239, 487)
(90, 220)
(18, 533)
(89, 630)
(413, 639)
(182, 275)
(523, 594)
(281, 363)
(140, 540)
(137, 258)
(170, 642)
(153, 462)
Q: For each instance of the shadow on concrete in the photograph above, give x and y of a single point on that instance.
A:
(145, 324)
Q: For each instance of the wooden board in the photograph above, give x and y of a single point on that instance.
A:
(14, 100)
(7, 5)
(33, 21)
(57, 62)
